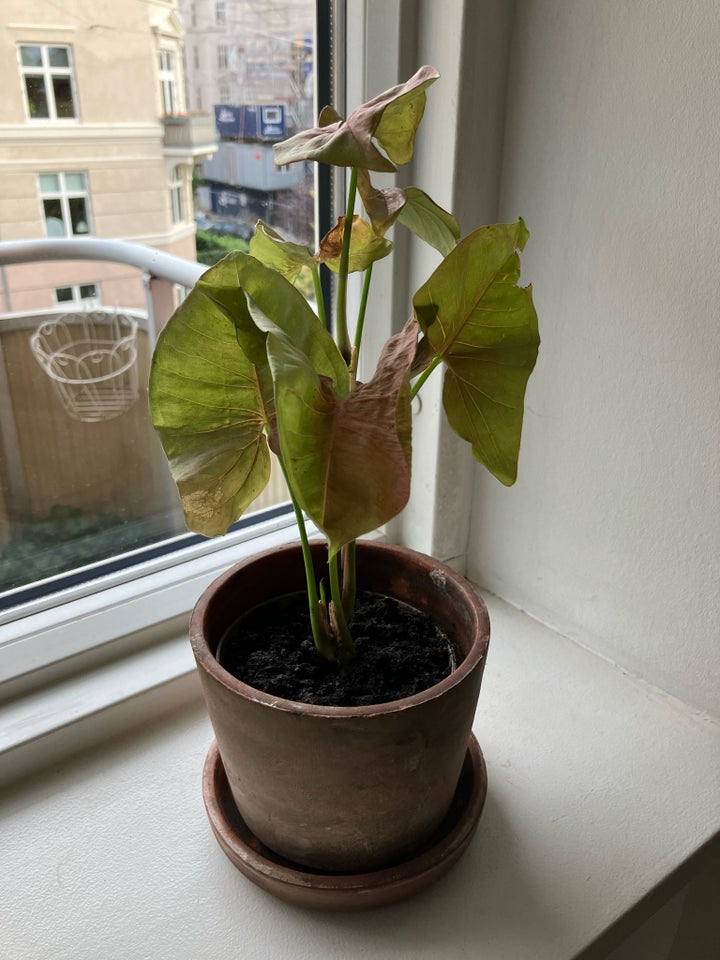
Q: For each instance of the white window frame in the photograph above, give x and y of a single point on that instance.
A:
(65, 194)
(77, 296)
(220, 13)
(177, 189)
(222, 57)
(168, 82)
(48, 72)
(223, 93)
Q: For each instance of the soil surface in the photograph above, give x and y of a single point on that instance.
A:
(400, 651)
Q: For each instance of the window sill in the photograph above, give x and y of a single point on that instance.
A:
(602, 797)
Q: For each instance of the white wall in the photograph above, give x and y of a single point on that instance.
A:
(612, 533)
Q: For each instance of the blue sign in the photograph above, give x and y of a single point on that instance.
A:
(228, 120)
(272, 122)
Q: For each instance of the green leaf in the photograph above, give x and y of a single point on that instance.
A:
(240, 277)
(365, 246)
(484, 327)
(207, 404)
(411, 207)
(279, 254)
(391, 118)
(429, 221)
(348, 459)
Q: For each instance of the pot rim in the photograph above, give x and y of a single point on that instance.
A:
(478, 650)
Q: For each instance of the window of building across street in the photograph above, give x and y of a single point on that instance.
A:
(65, 203)
(48, 81)
(87, 293)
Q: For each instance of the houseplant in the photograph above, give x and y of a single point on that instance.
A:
(245, 367)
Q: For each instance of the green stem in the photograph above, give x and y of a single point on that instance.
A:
(320, 633)
(415, 389)
(319, 294)
(346, 647)
(361, 316)
(349, 578)
(342, 335)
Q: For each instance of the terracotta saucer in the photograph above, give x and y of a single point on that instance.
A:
(356, 891)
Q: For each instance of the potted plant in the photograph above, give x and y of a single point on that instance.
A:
(341, 786)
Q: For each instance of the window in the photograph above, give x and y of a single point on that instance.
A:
(196, 58)
(86, 293)
(193, 16)
(167, 82)
(48, 79)
(82, 499)
(222, 57)
(224, 93)
(65, 204)
(220, 14)
(176, 195)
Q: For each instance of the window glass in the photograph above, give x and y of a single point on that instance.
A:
(83, 480)
(36, 98)
(58, 57)
(31, 56)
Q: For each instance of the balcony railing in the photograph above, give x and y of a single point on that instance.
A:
(193, 135)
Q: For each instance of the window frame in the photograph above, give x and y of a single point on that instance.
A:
(64, 195)
(167, 75)
(76, 295)
(177, 194)
(47, 72)
(149, 602)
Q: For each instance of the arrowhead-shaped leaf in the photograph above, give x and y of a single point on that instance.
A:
(207, 405)
(391, 118)
(281, 255)
(382, 205)
(365, 246)
(484, 327)
(348, 460)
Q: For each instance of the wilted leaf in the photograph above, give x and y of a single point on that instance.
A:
(348, 459)
(391, 118)
(207, 405)
(365, 246)
(279, 254)
(484, 327)
(381, 205)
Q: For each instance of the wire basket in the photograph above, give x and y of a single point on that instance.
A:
(91, 359)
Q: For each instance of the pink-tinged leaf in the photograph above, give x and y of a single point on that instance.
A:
(391, 119)
(348, 460)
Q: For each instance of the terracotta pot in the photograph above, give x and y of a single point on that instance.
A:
(345, 789)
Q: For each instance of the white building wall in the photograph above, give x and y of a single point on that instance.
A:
(612, 532)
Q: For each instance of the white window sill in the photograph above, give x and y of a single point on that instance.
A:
(602, 794)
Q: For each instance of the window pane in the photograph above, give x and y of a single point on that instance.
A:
(49, 183)
(75, 182)
(58, 57)
(31, 56)
(78, 215)
(86, 477)
(64, 106)
(54, 218)
(36, 98)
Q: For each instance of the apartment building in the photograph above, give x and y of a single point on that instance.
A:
(95, 140)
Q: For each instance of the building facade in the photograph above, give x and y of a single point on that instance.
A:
(95, 140)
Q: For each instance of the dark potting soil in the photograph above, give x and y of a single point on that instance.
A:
(400, 652)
